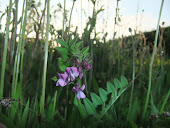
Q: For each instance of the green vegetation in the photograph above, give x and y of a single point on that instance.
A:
(126, 79)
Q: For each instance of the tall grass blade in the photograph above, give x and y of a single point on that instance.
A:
(151, 62)
(5, 50)
(42, 100)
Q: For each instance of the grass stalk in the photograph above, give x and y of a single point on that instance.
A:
(133, 79)
(165, 101)
(151, 62)
(42, 101)
(70, 22)
(20, 44)
(64, 18)
(5, 50)
(23, 39)
(16, 56)
(15, 29)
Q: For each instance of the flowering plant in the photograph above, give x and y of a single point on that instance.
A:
(73, 62)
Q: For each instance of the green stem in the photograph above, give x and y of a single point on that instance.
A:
(54, 105)
(15, 29)
(165, 101)
(133, 78)
(5, 51)
(63, 19)
(16, 56)
(23, 39)
(42, 102)
(70, 22)
(152, 60)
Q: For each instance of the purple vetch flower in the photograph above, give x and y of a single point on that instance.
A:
(79, 91)
(86, 65)
(63, 79)
(80, 70)
(81, 66)
(72, 73)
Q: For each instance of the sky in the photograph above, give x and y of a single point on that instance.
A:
(136, 14)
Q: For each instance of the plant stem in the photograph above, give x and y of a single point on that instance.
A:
(23, 40)
(15, 29)
(5, 51)
(70, 22)
(18, 54)
(152, 60)
(63, 19)
(133, 78)
(165, 101)
(42, 102)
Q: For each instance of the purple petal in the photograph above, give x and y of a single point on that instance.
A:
(67, 70)
(61, 82)
(64, 76)
(79, 69)
(74, 71)
(57, 84)
(80, 75)
(75, 89)
(59, 75)
(85, 62)
(81, 95)
(89, 66)
(83, 87)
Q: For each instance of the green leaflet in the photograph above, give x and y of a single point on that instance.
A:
(63, 52)
(103, 94)
(61, 64)
(124, 81)
(73, 41)
(62, 43)
(117, 83)
(89, 107)
(77, 45)
(82, 109)
(96, 99)
(110, 87)
(84, 51)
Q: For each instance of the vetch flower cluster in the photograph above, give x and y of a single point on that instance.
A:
(71, 73)
(84, 65)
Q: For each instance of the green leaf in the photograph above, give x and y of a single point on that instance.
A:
(79, 44)
(25, 115)
(82, 109)
(6, 121)
(61, 64)
(73, 41)
(95, 85)
(76, 46)
(85, 50)
(117, 83)
(62, 43)
(110, 87)
(62, 50)
(89, 106)
(124, 81)
(103, 94)
(55, 79)
(96, 99)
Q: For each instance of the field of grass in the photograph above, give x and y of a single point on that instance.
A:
(42, 79)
